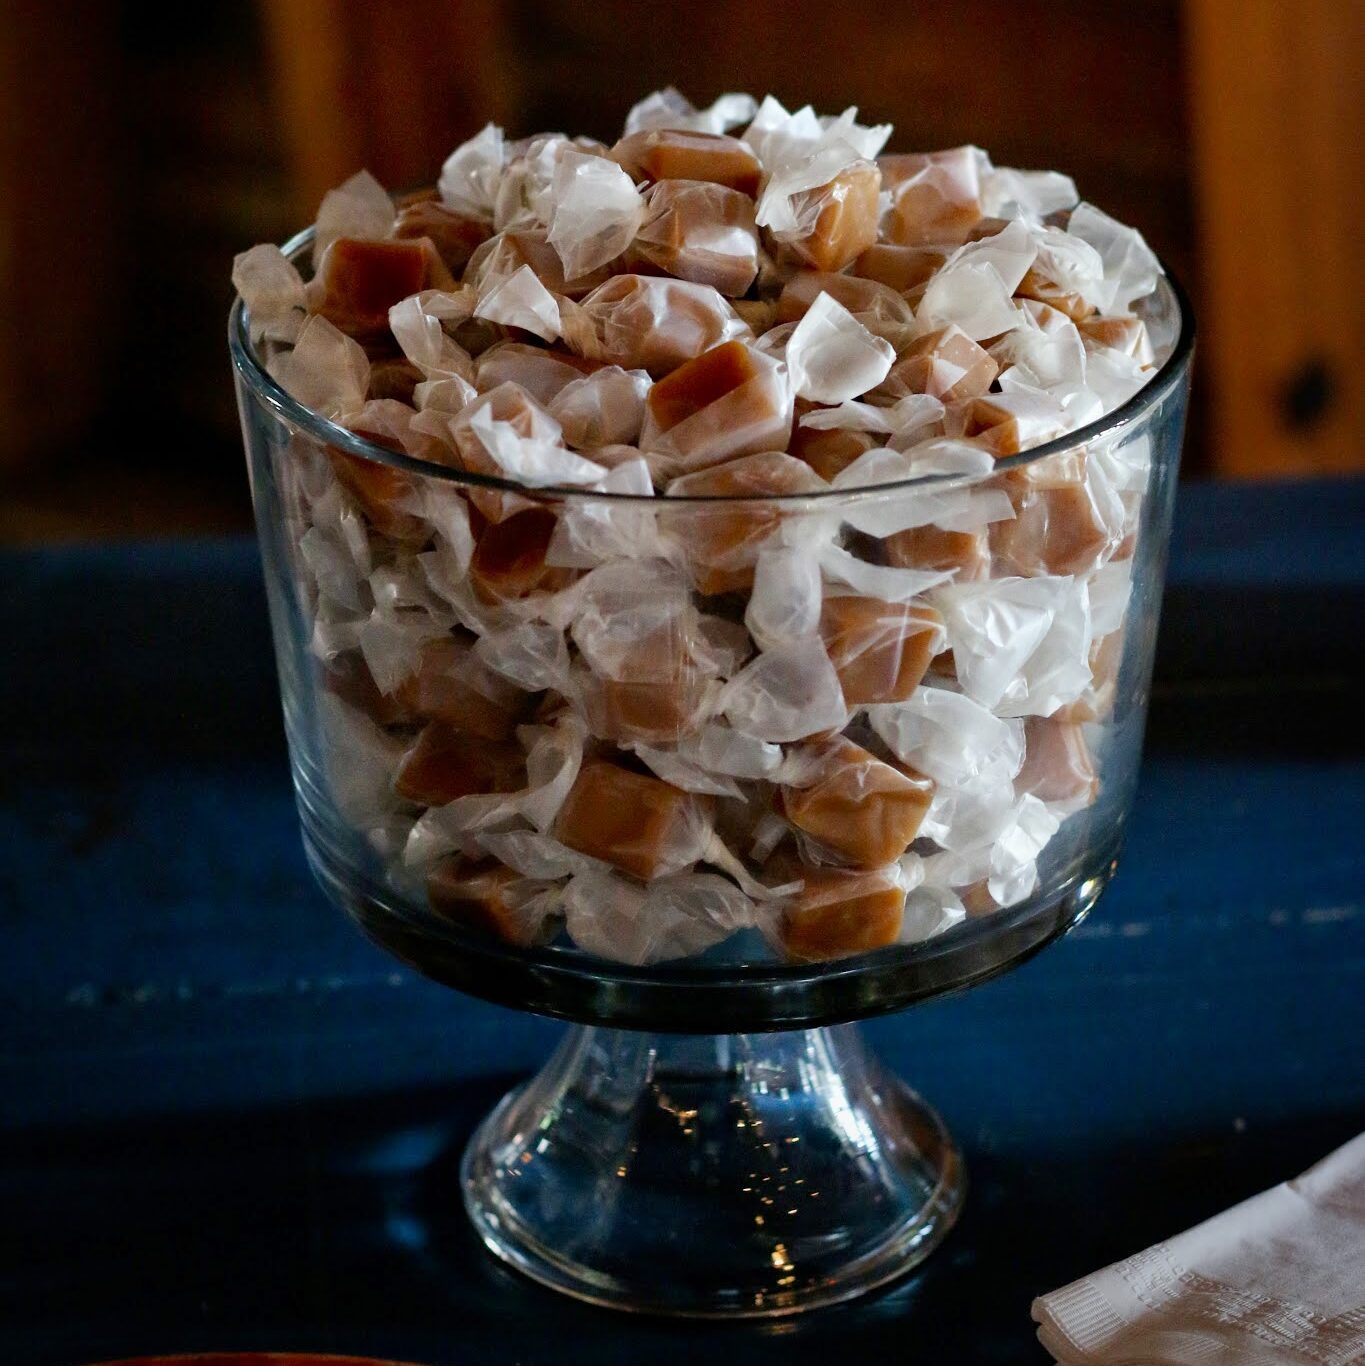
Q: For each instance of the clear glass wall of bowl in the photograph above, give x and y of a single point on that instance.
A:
(581, 648)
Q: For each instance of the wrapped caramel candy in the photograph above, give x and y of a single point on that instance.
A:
(486, 896)
(700, 232)
(862, 811)
(837, 913)
(678, 154)
(637, 823)
(880, 650)
(445, 763)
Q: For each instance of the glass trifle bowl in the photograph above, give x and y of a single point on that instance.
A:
(710, 763)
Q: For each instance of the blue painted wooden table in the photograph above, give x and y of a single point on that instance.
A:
(220, 1108)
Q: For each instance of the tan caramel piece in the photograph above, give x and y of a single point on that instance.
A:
(474, 894)
(395, 378)
(829, 451)
(675, 154)
(348, 677)
(454, 236)
(931, 547)
(860, 296)
(1128, 335)
(844, 211)
(934, 197)
(1058, 471)
(445, 763)
(699, 383)
(1058, 766)
(900, 268)
(1045, 291)
(656, 323)
(654, 713)
(445, 687)
(722, 541)
(863, 810)
(1097, 702)
(1006, 424)
(700, 232)
(509, 558)
(880, 650)
(837, 913)
(640, 824)
(946, 364)
(502, 256)
(383, 492)
(359, 282)
(1053, 531)
(976, 898)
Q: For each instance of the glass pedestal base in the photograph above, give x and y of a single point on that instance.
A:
(712, 1175)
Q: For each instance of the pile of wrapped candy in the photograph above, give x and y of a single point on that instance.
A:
(672, 670)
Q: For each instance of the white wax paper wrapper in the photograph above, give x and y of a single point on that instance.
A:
(1111, 585)
(522, 301)
(525, 197)
(831, 356)
(455, 828)
(668, 109)
(930, 911)
(597, 212)
(272, 290)
(532, 654)
(535, 460)
(471, 173)
(1019, 645)
(784, 603)
(1130, 265)
(534, 854)
(1068, 260)
(552, 765)
(673, 766)
(326, 371)
(533, 368)
(879, 580)
(626, 606)
(1013, 870)
(950, 738)
(359, 208)
(965, 818)
(786, 694)
(605, 408)
(591, 532)
(1034, 193)
(721, 749)
(360, 760)
(334, 570)
(802, 151)
(974, 288)
(619, 920)
(1044, 354)
(424, 342)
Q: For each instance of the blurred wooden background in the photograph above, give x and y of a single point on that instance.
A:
(136, 156)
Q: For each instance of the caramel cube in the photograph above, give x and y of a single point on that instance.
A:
(450, 685)
(445, 763)
(676, 154)
(509, 558)
(1044, 291)
(393, 377)
(837, 913)
(1058, 766)
(880, 650)
(844, 213)
(935, 197)
(1054, 531)
(642, 825)
(475, 894)
(700, 232)
(648, 711)
(384, 494)
(863, 810)
(1128, 335)
(1009, 423)
(830, 450)
(502, 256)
(510, 403)
(722, 540)
(931, 547)
(860, 296)
(903, 269)
(349, 678)
(358, 282)
(454, 236)
(946, 364)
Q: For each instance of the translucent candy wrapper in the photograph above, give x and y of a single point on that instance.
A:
(326, 371)
(784, 604)
(974, 289)
(361, 760)
(605, 408)
(833, 357)
(786, 694)
(667, 108)
(729, 401)
(951, 738)
(472, 172)
(532, 460)
(541, 373)
(641, 322)
(424, 341)
(1128, 261)
(700, 232)
(522, 301)
(597, 212)
(930, 911)
(1005, 191)
(935, 196)
(272, 289)
(1019, 645)
(360, 208)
